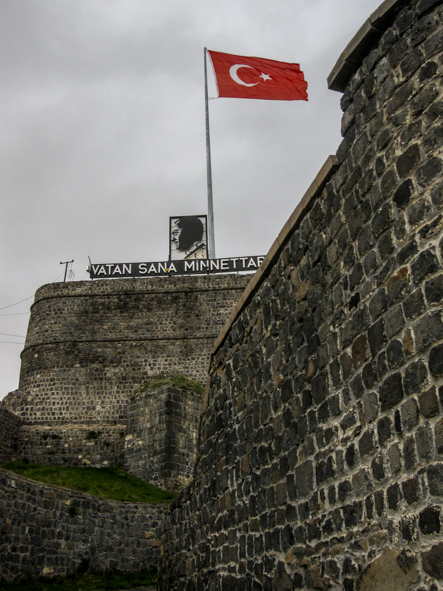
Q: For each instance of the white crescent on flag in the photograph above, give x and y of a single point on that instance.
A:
(234, 75)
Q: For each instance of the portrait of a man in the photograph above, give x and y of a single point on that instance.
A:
(188, 238)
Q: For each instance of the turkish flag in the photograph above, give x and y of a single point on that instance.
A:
(258, 78)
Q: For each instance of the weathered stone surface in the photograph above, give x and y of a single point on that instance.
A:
(10, 426)
(161, 436)
(436, 360)
(392, 571)
(429, 520)
(91, 344)
(391, 391)
(351, 439)
(433, 561)
(435, 479)
(53, 531)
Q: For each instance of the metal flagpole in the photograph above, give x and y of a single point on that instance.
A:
(211, 238)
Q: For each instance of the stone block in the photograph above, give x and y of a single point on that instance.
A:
(384, 430)
(415, 378)
(424, 442)
(391, 571)
(383, 219)
(409, 414)
(408, 161)
(409, 453)
(394, 321)
(414, 304)
(360, 350)
(428, 330)
(429, 520)
(412, 490)
(394, 456)
(397, 286)
(377, 337)
(391, 391)
(395, 354)
(428, 402)
(435, 479)
(366, 444)
(429, 171)
(304, 478)
(393, 495)
(424, 265)
(432, 561)
(378, 469)
(436, 360)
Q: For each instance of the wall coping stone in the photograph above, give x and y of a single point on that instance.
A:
(358, 48)
(325, 173)
(136, 286)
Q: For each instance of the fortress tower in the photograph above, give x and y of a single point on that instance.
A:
(90, 344)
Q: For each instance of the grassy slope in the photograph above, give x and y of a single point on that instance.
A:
(176, 380)
(108, 483)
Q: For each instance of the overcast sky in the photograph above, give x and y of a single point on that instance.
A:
(103, 132)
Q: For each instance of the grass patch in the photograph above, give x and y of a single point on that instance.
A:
(108, 483)
(176, 380)
(107, 581)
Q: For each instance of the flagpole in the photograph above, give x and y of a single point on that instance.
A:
(211, 238)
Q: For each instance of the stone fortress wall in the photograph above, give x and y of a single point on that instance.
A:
(320, 454)
(161, 436)
(53, 532)
(91, 344)
(10, 426)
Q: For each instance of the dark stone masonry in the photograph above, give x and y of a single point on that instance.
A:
(106, 337)
(90, 344)
(161, 436)
(9, 434)
(52, 531)
(320, 454)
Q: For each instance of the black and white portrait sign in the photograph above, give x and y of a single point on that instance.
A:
(188, 238)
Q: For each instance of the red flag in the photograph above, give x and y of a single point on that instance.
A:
(258, 78)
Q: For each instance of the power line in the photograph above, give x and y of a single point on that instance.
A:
(6, 334)
(30, 297)
(58, 277)
(17, 303)
(11, 343)
(15, 314)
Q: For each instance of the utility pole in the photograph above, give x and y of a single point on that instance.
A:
(66, 268)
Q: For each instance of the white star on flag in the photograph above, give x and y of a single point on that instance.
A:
(265, 77)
